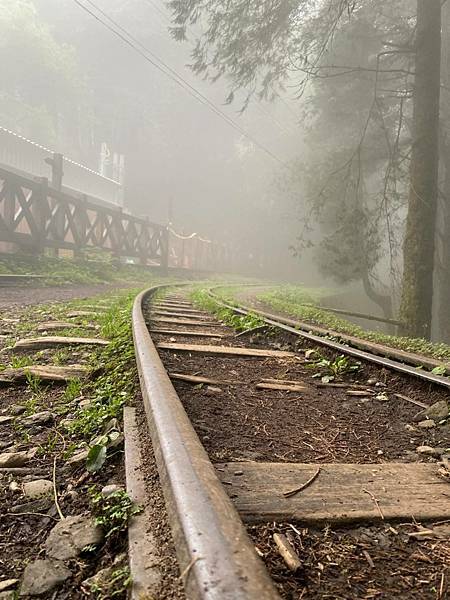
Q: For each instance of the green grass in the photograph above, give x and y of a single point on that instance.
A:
(99, 269)
(201, 299)
(115, 385)
(301, 304)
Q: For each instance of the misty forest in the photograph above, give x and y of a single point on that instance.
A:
(275, 175)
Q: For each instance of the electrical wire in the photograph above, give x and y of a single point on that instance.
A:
(159, 64)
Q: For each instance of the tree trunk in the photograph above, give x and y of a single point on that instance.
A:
(419, 244)
(442, 273)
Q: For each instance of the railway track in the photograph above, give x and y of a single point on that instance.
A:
(262, 440)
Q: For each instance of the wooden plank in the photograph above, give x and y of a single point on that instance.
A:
(341, 493)
(181, 315)
(188, 332)
(225, 350)
(181, 307)
(51, 341)
(184, 321)
(55, 325)
(44, 372)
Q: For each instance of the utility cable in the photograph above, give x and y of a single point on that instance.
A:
(155, 61)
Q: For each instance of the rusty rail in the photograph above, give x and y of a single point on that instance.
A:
(213, 549)
(374, 353)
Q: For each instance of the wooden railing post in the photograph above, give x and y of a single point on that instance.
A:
(40, 211)
(164, 250)
(56, 164)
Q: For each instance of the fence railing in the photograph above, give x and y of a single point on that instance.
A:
(28, 158)
(35, 216)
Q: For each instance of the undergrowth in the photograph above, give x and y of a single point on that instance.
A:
(300, 304)
(203, 300)
(115, 384)
(95, 269)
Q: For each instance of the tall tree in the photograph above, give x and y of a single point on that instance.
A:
(419, 243)
(262, 44)
(442, 268)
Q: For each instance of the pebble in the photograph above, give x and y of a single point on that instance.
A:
(42, 576)
(40, 418)
(38, 488)
(98, 581)
(16, 459)
(70, 535)
(211, 390)
(409, 427)
(111, 489)
(17, 409)
(371, 382)
(380, 384)
(429, 451)
(437, 412)
(427, 424)
(78, 457)
(14, 487)
(7, 583)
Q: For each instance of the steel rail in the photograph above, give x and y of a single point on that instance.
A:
(291, 326)
(216, 557)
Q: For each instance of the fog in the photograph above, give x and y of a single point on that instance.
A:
(305, 138)
(183, 161)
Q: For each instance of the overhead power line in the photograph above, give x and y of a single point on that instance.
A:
(168, 71)
(257, 105)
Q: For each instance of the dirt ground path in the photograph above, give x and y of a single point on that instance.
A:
(28, 295)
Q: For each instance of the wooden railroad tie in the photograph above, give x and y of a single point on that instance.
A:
(185, 322)
(225, 350)
(188, 332)
(338, 493)
(182, 315)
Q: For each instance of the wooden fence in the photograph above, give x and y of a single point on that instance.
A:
(35, 216)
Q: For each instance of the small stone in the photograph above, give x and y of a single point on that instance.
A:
(7, 583)
(14, 486)
(38, 488)
(409, 427)
(100, 581)
(427, 424)
(78, 457)
(437, 412)
(85, 403)
(380, 384)
(36, 506)
(16, 459)
(40, 418)
(380, 452)
(68, 537)
(429, 451)
(111, 489)
(211, 390)
(17, 409)
(42, 576)
(238, 473)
